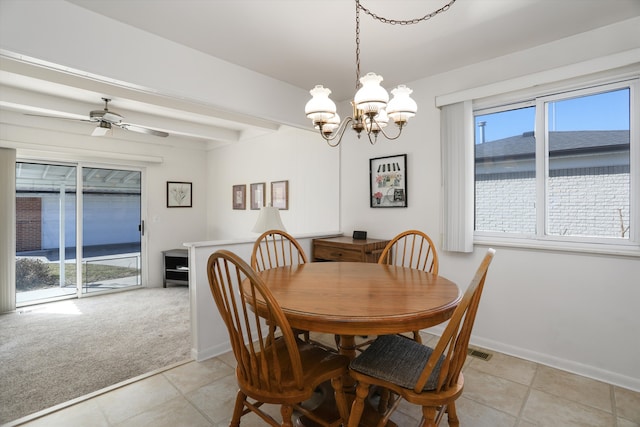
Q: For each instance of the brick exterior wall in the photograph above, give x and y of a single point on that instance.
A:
(28, 223)
(578, 205)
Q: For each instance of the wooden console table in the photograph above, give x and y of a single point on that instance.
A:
(347, 249)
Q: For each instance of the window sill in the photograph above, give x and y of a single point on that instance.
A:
(626, 250)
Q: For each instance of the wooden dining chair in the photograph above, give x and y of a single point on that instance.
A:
(271, 368)
(411, 249)
(421, 375)
(277, 248)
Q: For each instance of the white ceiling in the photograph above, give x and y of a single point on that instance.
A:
(309, 42)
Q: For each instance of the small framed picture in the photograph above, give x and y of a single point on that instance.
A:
(179, 194)
(280, 194)
(239, 196)
(257, 195)
(388, 177)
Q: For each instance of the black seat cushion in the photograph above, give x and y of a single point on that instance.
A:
(397, 360)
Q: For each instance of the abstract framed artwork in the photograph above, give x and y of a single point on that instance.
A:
(239, 196)
(179, 194)
(257, 195)
(388, 178)
(280, 194)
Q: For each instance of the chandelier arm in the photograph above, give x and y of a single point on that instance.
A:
(381, 130)
(336, 134)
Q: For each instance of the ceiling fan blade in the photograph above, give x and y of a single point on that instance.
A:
(69, 116)
(142, 129)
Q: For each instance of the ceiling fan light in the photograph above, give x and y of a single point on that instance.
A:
(401, 107)
(320, 108)
(103, 129)
(371, 97)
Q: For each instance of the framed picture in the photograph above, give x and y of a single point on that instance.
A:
(280, 194)
(239, 196)
(179, 194)
(388, 177)
(257, 195)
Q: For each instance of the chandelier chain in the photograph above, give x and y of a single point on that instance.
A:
(370, 113)
(409, 21)
(358, 44)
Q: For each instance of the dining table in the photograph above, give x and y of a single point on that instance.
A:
(352, 299)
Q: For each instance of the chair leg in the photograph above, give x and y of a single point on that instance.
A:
(452, 415)
(383, 404)
(341, 399)
(286, 411)
(362, 391)
(429, 416)
(237, 410)
(416, 337)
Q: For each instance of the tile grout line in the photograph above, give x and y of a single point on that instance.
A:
(520, 418)
(190, 402)
(614, 407)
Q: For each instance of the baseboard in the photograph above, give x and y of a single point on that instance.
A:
(560, 363)
(551, 361)
(210, 352)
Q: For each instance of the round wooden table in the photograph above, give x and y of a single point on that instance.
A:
(353, 298)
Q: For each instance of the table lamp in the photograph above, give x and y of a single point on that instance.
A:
(269, 219)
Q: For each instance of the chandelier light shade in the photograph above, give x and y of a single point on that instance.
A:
(371, 106)
(371, 97)
(269, 219)
(401, 107)
(320, 108)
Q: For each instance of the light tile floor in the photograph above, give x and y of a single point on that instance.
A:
(501, 392)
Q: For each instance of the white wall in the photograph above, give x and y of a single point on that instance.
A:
(298, 156)
(574, 311)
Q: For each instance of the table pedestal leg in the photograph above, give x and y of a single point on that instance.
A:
(327, 407)
(347, 347)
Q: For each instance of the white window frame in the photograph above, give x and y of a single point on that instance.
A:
(540, 240)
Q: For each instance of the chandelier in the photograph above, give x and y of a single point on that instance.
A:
(371, 106)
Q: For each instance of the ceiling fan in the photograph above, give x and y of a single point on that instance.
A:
(107, 119)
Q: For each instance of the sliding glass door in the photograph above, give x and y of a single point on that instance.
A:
(54, 208)
(45, 231)
(111, 229)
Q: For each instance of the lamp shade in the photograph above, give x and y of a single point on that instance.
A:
(371, 97)
(379, 121)
(320, 107)
(401, 107)
(269, 219)
(331, 124)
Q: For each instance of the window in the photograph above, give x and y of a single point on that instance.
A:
(559, 167)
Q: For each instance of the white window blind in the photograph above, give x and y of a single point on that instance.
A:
(7, 229)
(456, 138)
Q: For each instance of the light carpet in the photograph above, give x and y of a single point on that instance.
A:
(56, 352)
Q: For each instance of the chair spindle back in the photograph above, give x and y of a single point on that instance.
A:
(276, 248)
(244, 303)
(412, 249)
(452, 346)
